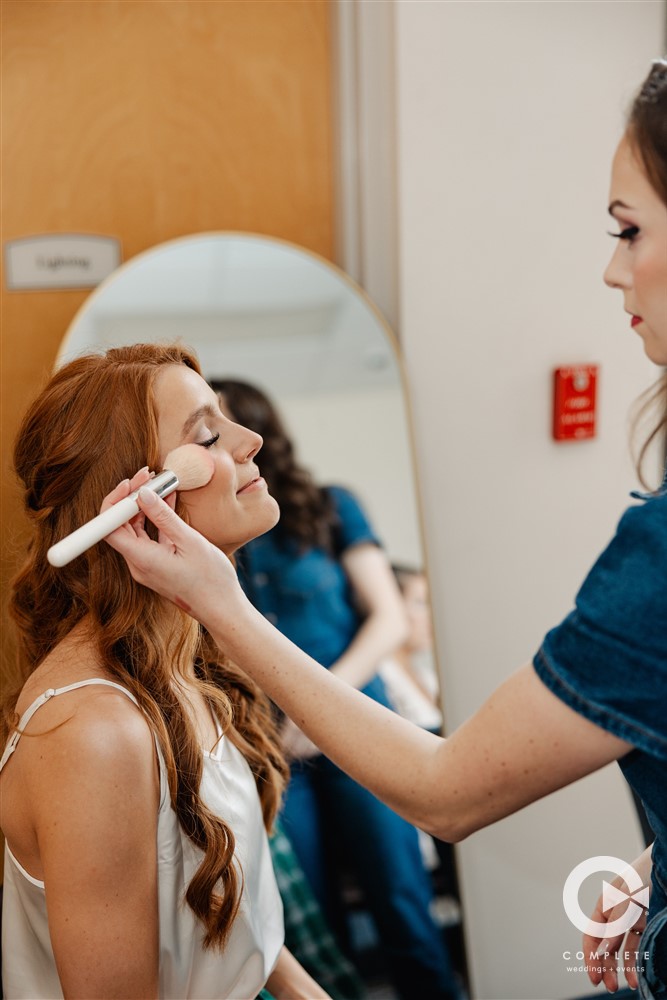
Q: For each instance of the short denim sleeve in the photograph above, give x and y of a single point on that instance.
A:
(353, 526)
(608, 659)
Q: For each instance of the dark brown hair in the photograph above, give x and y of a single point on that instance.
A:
(306, 514)
(647, 127)
(93, 425)
(646, 131)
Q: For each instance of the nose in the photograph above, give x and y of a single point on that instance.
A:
(247, 444)
(617, 273)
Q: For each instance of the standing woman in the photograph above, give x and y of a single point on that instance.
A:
(323, 579)
(142, 767)
(595, 691)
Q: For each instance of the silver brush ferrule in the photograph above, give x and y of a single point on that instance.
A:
(163, 484)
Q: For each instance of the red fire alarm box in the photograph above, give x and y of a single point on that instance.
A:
(575, 391)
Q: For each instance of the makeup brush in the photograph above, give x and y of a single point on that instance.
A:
(186, 468)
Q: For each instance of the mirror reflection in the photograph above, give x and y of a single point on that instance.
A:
(297, 353)
(286, 321)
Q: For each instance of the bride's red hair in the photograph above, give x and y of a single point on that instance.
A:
(94, 425)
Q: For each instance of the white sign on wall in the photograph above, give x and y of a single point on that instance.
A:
(60, 261)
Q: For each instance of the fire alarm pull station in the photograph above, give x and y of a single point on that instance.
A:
(575, 389)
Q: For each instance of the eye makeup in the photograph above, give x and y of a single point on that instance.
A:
(628, 234)
(210, 442)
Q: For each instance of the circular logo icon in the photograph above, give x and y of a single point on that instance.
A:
(611, 896)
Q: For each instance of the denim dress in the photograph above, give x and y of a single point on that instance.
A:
(608, 661)
(305, 593)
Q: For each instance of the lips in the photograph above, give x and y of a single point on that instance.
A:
(255, 481)
(635, 321)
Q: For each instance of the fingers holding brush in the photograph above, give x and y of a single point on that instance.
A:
(123, 490)
(193, 468)
(136, 527)
(182, 565)
(121, 515)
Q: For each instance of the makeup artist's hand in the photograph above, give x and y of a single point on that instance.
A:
(622, 951)
(124, 489)
(182, 565)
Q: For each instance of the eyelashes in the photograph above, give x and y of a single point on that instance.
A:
(628, 234)
(210, 442)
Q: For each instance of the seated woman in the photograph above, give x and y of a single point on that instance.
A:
(142, 769)
(409, 674)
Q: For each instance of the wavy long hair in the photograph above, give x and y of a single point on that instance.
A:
(93, 425)
(306, 513)
(646, 131)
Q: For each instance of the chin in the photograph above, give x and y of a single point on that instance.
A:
(657, 353)
(275, 512)
(269, 519)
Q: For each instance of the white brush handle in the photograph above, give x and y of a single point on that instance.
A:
(94, 531)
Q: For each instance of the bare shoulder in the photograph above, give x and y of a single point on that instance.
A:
(87, 732)
(101, 723)
(95, 725)
(84, 746)
(96, 717)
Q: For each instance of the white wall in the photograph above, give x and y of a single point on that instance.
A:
(505, 116)
(360, 440)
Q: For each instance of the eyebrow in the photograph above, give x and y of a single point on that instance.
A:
(617, 204)
(208, 410)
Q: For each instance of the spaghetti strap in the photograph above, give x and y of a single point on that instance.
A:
(43, 698)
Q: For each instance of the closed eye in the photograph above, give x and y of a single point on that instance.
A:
(210, 442)
(628, 234)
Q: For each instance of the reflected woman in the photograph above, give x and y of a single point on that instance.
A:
(142, 768)
(323, 579)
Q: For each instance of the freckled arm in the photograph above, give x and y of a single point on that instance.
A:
(520, 745)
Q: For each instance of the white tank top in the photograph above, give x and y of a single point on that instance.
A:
(186, 970)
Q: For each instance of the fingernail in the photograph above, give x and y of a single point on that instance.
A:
(603, 948)
(144, 469)
(147, 496)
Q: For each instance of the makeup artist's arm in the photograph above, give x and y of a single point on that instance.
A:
(522, 743)
(382, 630)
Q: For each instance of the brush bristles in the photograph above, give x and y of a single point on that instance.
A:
(192, 464)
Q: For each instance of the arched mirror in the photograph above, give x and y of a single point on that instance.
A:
(271, 314)
(277, 316)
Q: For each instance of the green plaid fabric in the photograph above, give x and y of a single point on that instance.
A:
(307, 935)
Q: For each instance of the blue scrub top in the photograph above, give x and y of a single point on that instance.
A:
(305, 593)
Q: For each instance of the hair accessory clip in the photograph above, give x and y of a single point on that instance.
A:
(656, 83)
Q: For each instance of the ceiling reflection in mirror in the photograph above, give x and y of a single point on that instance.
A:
(269, 313)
